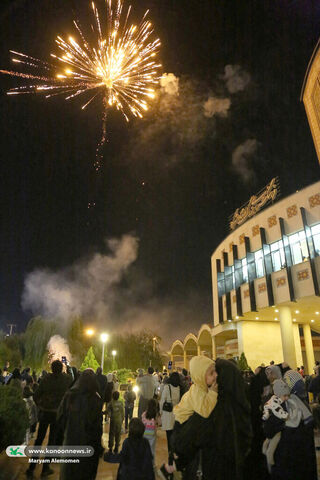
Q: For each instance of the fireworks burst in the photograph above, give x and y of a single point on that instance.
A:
(117, 67)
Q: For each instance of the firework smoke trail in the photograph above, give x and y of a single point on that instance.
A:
(118, 66)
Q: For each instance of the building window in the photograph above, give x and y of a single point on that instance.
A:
(298, 246)
(230, 280)
(258, 256)
(316, 238)
(277, 255)
(244, 270)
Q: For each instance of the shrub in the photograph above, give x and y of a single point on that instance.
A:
(123, 374)
(14, 419)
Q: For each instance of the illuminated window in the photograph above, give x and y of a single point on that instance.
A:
(244, 270)
(258, 256)
(298, 246)
(277, 255)
(316, 238)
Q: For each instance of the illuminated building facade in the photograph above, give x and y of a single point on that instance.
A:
(266, 272)
(265, 285)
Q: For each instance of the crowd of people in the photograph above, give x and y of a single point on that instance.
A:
(220, 423)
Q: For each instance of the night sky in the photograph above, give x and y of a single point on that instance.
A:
(170, 180)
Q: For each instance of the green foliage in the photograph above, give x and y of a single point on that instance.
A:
(14, 419)
(77, 341)
(135, 350)
(89, 361)
(242, 363)
(38, 333)
(123, 374)
(11, 349)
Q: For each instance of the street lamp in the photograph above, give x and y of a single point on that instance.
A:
(114, 353)
(103, 337)
(154, 340)
(89, 332)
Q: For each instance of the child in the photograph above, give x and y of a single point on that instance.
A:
(149, 419)
(274, 416)
(136, 456)
(116, 413)
(129, 398)
(199, 398)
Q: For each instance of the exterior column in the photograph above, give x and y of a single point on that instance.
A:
(185, 360)
(309, 348)
(214, 355)
(199, 349)
(297, 343)
(288, 346)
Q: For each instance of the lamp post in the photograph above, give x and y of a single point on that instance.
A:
(113, 353)
(103, 337)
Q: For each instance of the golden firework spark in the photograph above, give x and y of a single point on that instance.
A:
(118, 66)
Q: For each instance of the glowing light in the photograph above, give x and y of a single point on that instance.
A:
(276, 310)
(297, 311)
(276, 319)
(317, 313)
(294, 320)
(104, 337)
(257, 318)
(117, 67)
(114, 353)
(89, 332)
(135, 389)
(312, 320)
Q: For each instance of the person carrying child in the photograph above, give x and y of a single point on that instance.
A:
(201, 398)
(149, 419)
(115, 411)
(275, 415)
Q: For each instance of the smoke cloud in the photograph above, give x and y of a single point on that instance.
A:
(236, 78)
(216, 106)
(241, 159)
(170, 83)
(110, 291)
(58, 348)
(86, 288)
(176, 128)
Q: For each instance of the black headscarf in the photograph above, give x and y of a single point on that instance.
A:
(226, 435)
(175, 381)
(15, 374)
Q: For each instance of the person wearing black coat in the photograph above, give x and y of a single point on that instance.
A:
(102, 382)
(135, 457)
(217, 446)
(79, 422)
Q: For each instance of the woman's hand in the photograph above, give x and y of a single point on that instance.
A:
(214, 386)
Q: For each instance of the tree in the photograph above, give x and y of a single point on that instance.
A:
(11, 350)
(77, 341)
(242, 363)
(38, 333)
(89, 361)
